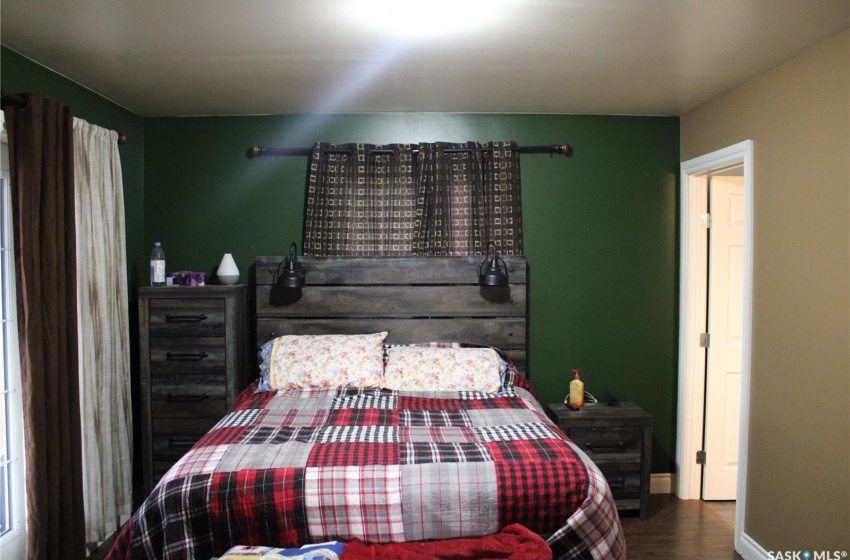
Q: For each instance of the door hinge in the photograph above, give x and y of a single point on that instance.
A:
(706, 220)
(704, 340)
(700, 457)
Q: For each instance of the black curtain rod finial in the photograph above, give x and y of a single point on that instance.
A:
(18, 101)
(564, 149)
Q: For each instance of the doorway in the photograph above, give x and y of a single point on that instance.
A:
(691, 425)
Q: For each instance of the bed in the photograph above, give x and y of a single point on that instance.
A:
(434, 448)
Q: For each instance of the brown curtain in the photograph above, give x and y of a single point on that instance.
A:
(359, 202)
(449, 202)
(502, 198)
(441, 199)
(42, 179)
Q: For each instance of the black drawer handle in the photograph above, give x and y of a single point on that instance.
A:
(621, 482)
(186, 356)
(621, 446)
(186, 318)
(178, 398)
(181, 442)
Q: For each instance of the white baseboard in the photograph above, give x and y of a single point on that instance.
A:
(661, 483)
(750, 549)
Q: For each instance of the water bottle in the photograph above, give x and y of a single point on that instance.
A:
(157, 265)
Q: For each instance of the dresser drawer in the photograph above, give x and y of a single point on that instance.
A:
(192, 399)
(609, 446)
(187, 317)
(624, 482)
(188, 356)
(171, 440)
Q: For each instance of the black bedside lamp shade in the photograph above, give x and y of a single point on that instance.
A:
(492, 271)
(294, 274)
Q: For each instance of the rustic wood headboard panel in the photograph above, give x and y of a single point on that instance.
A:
(415, 299)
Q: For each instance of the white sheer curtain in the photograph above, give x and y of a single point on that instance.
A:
(104, 338)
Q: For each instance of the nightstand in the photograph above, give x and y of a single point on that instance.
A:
(193, 346)
(619, 440)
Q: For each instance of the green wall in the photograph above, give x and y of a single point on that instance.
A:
(600, 227)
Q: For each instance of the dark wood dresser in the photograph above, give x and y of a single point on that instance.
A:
(193, 346)
(619, 440)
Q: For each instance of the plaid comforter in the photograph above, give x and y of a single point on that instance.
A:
(293, 467)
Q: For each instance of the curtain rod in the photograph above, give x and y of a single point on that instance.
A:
(20, 102)
(257, 151)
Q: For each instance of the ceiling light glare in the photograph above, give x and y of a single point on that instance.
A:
(432, 19)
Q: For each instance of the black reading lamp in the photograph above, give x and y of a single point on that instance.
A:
(492, 271)
(294, 274)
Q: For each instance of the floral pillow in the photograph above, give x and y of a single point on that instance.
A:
(327, 360)
(412, 368)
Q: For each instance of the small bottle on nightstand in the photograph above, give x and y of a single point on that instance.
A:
(576, 391)
(157, 265)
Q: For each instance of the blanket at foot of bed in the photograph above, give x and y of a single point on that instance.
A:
(514, 542)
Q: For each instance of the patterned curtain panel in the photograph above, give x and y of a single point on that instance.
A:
(441, 199)
(449, 200)
(468, 195)
(359, 202)
(502, 194)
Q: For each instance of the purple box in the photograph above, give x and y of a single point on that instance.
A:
(189, 278)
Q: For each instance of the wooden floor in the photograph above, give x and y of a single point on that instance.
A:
(676, 529)
(679, 529)
(103, 549)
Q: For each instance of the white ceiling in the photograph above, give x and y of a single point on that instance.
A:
(234, 57)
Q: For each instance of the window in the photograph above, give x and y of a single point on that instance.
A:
(12, 518)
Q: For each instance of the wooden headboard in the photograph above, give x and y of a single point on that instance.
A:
(415, 299)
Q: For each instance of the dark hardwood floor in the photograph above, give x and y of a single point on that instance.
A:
(103, 549)
(676, 529)
(679, 529)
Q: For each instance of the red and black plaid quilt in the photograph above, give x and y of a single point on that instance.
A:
(294, 467)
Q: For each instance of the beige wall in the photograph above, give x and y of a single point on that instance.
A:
(798, 116)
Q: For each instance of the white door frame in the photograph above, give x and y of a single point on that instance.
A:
(690, 421)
